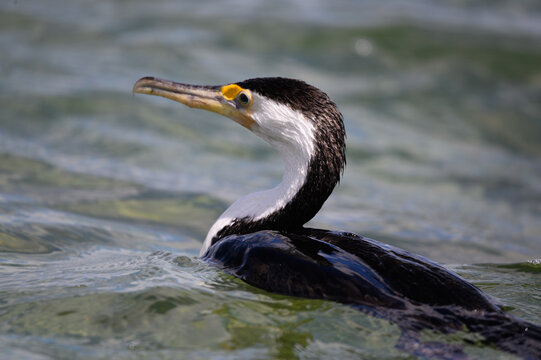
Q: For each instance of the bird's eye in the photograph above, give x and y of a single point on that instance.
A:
(244, 99)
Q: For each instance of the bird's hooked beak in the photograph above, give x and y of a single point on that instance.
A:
(218, 99)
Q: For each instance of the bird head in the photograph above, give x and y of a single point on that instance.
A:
(287, 113)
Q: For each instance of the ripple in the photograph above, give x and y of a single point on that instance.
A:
(105, 197)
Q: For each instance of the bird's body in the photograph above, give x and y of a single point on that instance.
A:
(343, 267)
(261, 239)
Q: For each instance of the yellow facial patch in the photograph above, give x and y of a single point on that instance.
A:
(231, 91)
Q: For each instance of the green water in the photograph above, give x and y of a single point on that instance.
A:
(105, 198)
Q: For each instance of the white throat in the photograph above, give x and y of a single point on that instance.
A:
(292, 134)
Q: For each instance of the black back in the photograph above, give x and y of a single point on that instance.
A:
(342, 267)
(409, 290)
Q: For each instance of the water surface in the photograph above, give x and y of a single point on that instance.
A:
(105, 198)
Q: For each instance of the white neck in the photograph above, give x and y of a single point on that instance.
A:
(296, 145)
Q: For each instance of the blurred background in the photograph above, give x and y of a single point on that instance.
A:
(105, 197)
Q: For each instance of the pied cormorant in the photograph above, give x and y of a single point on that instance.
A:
(260, 238)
